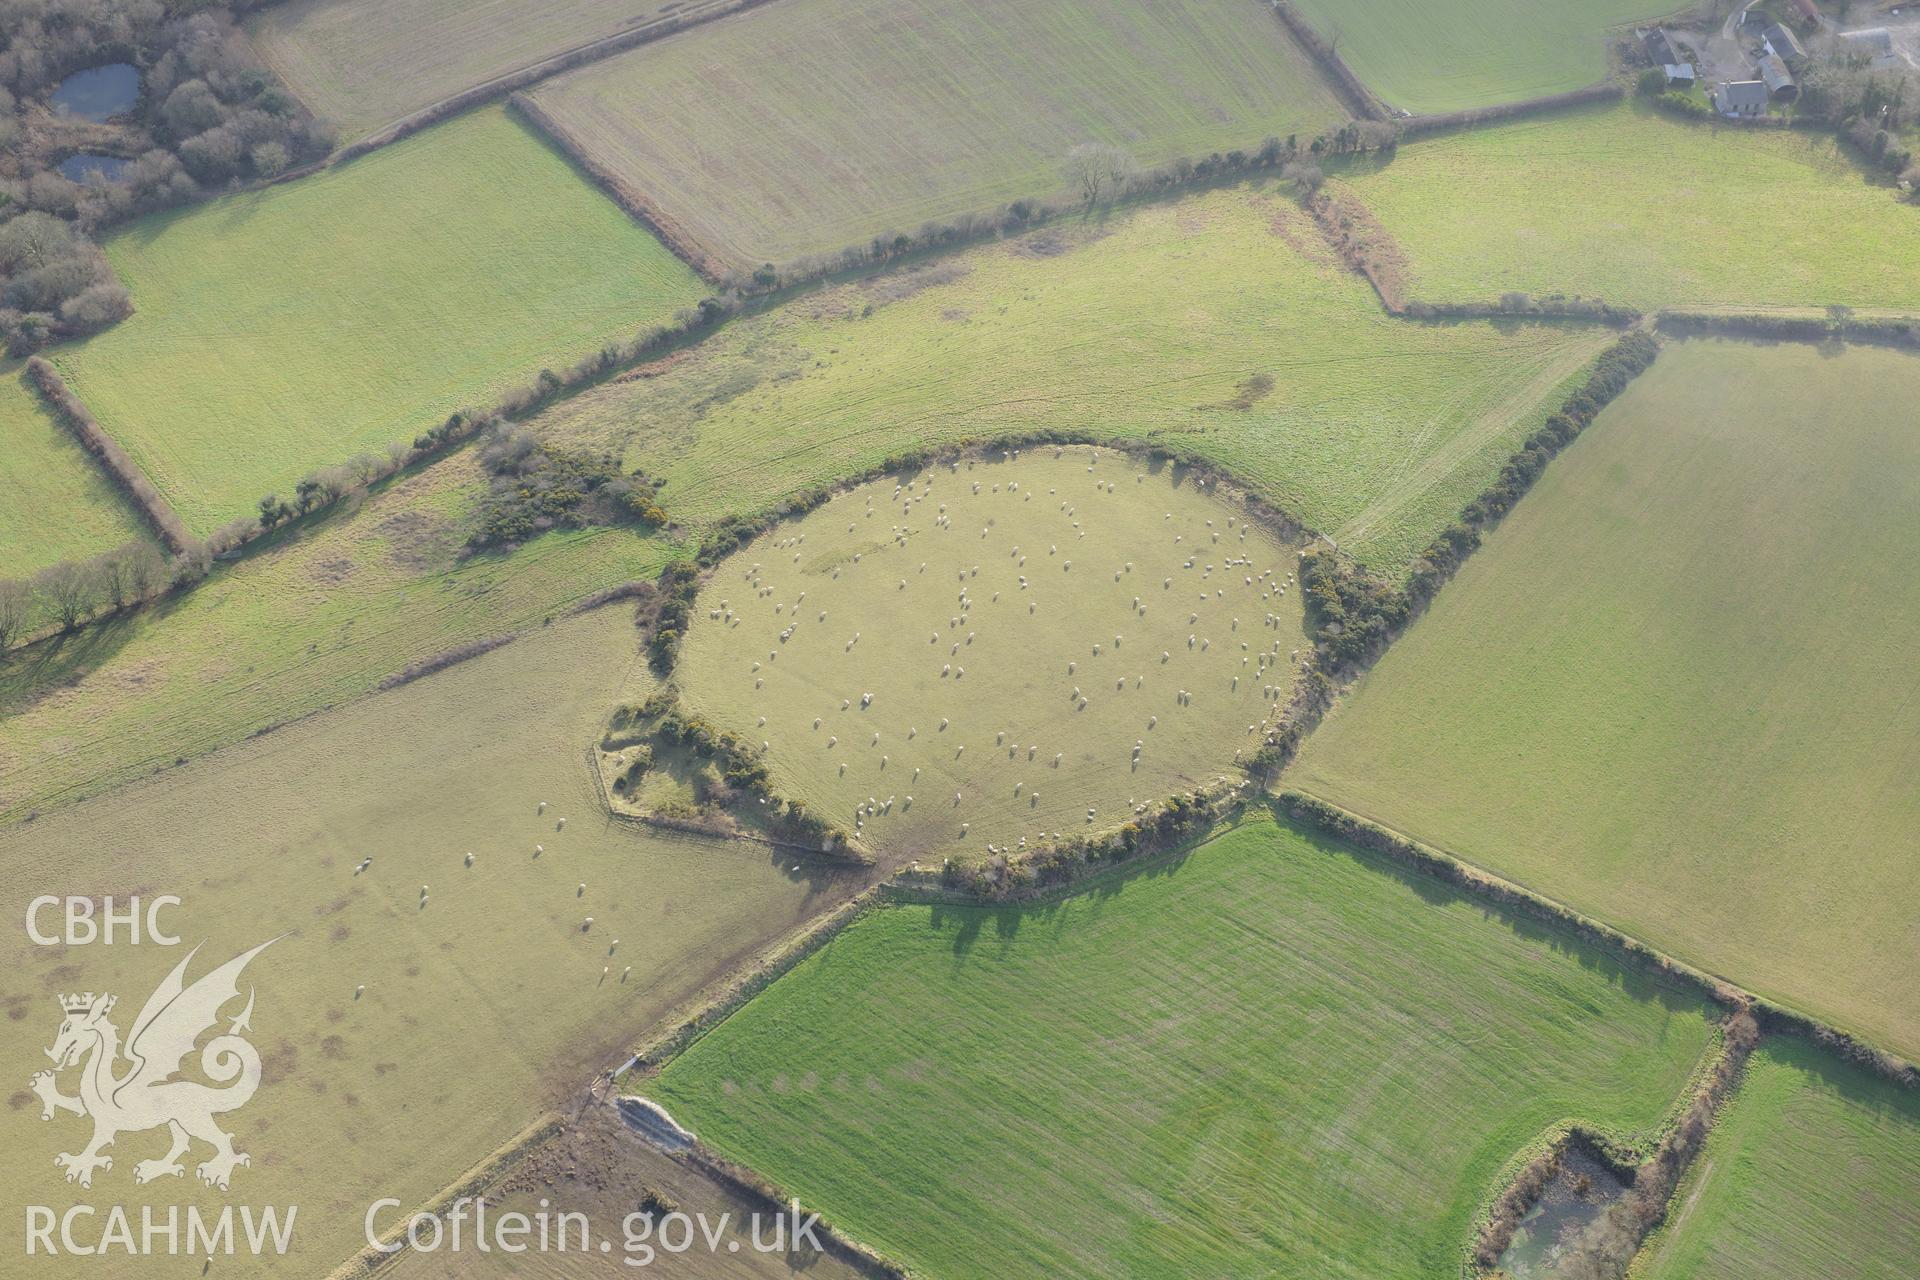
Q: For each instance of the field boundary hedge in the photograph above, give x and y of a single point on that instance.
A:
(726, 997)
(444, 659)
(1604, 91)
(1360, 99)
(74, 415)
(1652, 1168)
(1356, 614)
(1902, 333)
(532, 73)
(757, 1190)
(1444, 866)
(617, 189)
(369, 1260)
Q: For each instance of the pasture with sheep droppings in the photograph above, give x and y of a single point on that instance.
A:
(993, 651)
(420, 1009)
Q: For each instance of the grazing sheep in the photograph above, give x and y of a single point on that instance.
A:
(359, 991)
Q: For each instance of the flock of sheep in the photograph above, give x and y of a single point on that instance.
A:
(972, 619)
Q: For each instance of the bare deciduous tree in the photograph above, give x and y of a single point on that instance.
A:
(69, 589)
(1099, 170)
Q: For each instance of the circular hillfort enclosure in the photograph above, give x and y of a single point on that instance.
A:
(996, 651)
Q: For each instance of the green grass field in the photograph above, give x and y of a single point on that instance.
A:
(287, 329)
(483, 1007)
(1429, 58)
(1813, 1170)
(1157, 323)
(55, 501)
(1624, 204)
(1675, 689)
(800, 129)
(361, 64)
(1020, 626)
(1271, 1057)
(299, 625)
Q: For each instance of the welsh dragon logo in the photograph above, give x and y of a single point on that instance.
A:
(146, 1094)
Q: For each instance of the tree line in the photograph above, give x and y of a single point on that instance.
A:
(71, 593)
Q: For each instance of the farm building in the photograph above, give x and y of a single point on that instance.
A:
(1741, 99)
(1679, 75)
(1876, 43)
(1659, 48)
(1787, 45)
(1779, 80)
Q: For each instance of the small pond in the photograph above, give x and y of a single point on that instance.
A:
(1566, 1232)
(78, 168)
(98, 93)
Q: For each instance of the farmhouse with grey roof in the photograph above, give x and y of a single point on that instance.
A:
(1741, 99)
